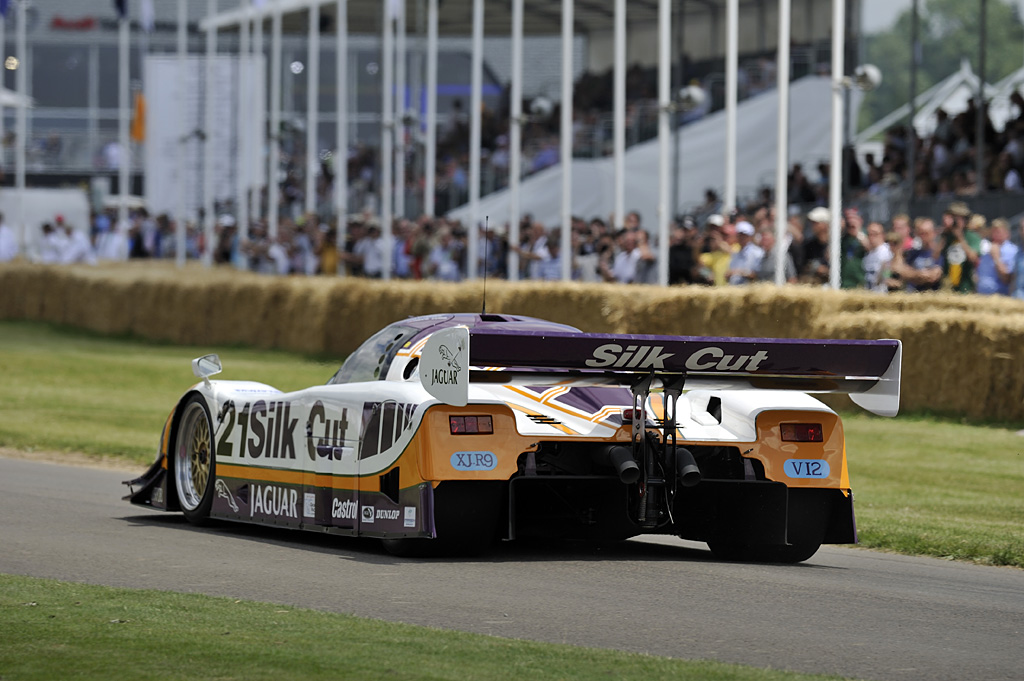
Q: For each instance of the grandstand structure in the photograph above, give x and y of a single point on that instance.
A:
(73, 65)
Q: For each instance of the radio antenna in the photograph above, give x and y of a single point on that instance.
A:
(486, 244)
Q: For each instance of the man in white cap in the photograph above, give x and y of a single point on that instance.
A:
(745, 262)
(815, 255)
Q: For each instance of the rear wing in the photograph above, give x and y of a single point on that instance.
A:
(867, 370)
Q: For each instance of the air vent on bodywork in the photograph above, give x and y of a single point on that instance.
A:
(715, 408)
(545, 420)
(389, 484)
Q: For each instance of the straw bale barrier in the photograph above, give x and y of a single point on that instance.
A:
(963, 355)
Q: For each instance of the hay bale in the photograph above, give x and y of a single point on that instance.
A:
(962, 354)
(971, 364)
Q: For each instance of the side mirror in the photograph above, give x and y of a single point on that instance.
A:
(206, 366)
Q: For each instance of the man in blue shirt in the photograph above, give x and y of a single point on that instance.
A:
(997, 262)
(747, 261)
(1017, 287)
(921, 269)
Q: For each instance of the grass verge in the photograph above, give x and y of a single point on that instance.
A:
(59, 630)
(938, 488)
(924, 486)
(71, 391)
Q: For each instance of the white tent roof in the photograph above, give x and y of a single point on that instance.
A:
(702, 161)
(951, 94)
(1000, 109)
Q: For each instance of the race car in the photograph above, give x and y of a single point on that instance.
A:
(441, 434)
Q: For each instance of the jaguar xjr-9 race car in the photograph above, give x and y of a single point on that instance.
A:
(444, 433)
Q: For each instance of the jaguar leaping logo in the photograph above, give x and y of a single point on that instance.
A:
(451, 359)
(224, 493)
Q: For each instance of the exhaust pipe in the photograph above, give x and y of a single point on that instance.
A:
(621, 459)
(686, 465)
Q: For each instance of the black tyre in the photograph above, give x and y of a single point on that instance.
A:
(193, 461)
(809, 513)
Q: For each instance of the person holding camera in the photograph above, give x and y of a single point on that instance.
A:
(960, 246)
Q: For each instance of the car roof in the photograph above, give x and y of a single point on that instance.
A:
(430, 323)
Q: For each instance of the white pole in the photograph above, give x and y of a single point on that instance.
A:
(124, 112)
(619, 114)
(400, 106)
(312, 107)
(835, 175)
(430, 162)
(22, 124)
(273, 186)
(93, 124)
(731, 71)
(244, 120)
(476, 101)
(179, 222)
(341, 157)
(781, 167)
(566, 132)
(259, 113)
(515, 139)
(3, 56)
(208, 197)
(387, 112)
(664, 134)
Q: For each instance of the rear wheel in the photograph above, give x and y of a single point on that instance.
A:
(194, 464)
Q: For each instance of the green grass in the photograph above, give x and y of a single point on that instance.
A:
(59, 630)
(66, 390)
(923, 485)
(938, 488)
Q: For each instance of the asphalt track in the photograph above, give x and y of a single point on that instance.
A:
(853, 613)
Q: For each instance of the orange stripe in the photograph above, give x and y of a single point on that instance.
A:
(593, 418)
(306, 478)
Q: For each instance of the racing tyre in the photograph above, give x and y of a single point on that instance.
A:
(193, 461)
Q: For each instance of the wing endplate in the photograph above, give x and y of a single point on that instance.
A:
(444, 365)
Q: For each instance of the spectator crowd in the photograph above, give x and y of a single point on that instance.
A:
(964, 252)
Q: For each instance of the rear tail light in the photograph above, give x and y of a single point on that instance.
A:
(802, 432)
(471, 425)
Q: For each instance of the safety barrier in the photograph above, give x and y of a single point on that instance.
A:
(963, 355)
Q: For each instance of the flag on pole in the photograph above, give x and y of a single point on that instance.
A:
(4, 6)
(147, 17)
(122, 8)
(138, 129)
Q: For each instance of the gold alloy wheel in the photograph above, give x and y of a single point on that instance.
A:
(193, 460)
(199, 455)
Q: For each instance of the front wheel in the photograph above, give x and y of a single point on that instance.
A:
(194, 464)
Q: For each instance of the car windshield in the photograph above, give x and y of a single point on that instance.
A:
(373, 358)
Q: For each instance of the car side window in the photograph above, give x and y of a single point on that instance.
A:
(370, 362)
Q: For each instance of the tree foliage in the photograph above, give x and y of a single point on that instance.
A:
(948, 32)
